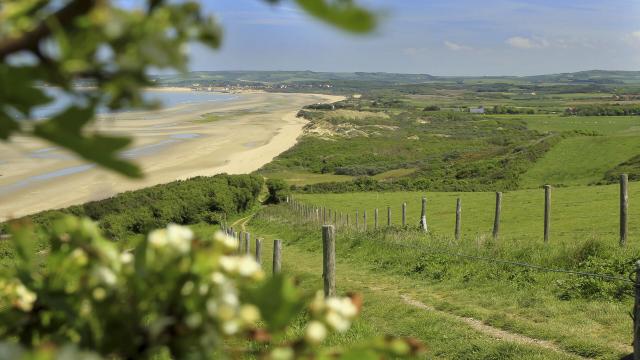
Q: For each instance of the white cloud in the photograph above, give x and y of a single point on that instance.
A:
(520, 42)
(636, 35)
(456, 47)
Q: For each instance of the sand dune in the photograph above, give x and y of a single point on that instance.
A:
(177, 143)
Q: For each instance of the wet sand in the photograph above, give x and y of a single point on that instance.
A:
(170, 144)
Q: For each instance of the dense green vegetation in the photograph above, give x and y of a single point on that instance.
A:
(604, 110)
(424, 137)
(201, 199)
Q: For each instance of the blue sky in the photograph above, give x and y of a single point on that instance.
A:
(440, 37)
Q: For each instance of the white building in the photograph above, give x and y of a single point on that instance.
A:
(478, 110)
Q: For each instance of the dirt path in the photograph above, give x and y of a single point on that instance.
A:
(492, 331)
(242, 222)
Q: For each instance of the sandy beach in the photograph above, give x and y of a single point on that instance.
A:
(208, 138)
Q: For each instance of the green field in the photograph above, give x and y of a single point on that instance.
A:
(581, 160)
(391, 266)
(579, 213)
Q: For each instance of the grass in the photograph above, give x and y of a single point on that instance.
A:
(383, 265)
(580, 160)
(606, 125)
(578, 213)
(301, 178)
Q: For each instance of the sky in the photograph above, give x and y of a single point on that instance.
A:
(438, 37)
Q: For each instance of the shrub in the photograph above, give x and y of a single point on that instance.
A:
(278, 191)
(174, 296)
(180, 202)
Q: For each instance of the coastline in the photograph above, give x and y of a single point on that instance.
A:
(169, 144)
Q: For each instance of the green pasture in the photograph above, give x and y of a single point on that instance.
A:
(578, 214)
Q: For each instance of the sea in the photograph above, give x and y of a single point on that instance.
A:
(166, 98)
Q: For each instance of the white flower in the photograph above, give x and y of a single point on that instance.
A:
(316, 332)
(229, 264)
(248, 267)
(179, 237)
(343, 306)
(249, 314)
(80, 257)
(282, 353)
(228, 242)
(230, 327)
(105, 275)
(318, 304)
(158, 238)
(25, 298)
(126, 257)
(337, 322)
(217, 278)
(230, 298)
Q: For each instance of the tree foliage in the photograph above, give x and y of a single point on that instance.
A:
(112, 48)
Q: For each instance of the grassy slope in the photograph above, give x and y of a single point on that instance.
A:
(384, 312)
(382, 272)
(583, 160)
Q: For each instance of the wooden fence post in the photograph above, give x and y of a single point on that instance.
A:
(636, 315)
(347, 219)
(496, 219)
(239, 242)
(329, 260)
(547, 212)
(375, 219)
(624, 208)
(324, 215)
(277, 256)
(247, 243)
(357, 220)
(423, 215)
(404, 214)
(458, 218)
(259, 251)
(388, 216)
(364, 219)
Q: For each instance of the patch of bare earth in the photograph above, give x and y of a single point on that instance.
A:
(492, 331)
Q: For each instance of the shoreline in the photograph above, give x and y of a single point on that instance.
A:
(170, 144)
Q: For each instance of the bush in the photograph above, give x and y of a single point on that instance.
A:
(278, 191)
(180, 202)
(174, 296)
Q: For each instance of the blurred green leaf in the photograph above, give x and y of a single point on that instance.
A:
(343, 14)
(7, 125)
(279, 301)
(17, 89)
(65, 130)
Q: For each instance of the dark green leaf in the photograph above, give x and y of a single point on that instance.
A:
(279, 301)
(7, 125)
(343, 14)
(17, 88)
